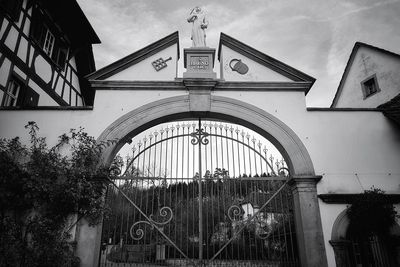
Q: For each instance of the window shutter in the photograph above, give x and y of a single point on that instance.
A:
(62, 56)
(30, 99)
(37, 26)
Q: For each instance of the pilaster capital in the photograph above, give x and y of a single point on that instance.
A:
(304, 181)
(199, 84)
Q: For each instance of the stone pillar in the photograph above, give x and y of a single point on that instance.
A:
(341, 249)
(308, 224)
(88, 243)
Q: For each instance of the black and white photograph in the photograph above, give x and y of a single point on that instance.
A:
(147, 133)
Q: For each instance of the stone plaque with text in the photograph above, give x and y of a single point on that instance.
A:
(199, 63)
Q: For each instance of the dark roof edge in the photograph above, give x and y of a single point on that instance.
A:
(135, 57)
(64, 10)
(95, 38)
(264, 59)
(339, 198)
(38, 108)
(343, 109)
(357, 45)
(392, 103)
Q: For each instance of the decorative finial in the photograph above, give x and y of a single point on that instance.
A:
(199, 23)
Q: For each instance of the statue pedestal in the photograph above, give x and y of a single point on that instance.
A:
(199, 63)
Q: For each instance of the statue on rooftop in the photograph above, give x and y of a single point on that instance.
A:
(198, 18)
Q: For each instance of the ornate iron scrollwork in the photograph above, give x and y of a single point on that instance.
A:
(199, 136)
(139, 233)
(234, 212)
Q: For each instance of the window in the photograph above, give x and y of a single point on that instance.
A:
(11, 7)
(18, 94)
(370, 86)
(48, 43)
(49, 38)
(11, 95)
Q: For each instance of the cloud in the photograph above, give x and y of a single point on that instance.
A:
(313, 36)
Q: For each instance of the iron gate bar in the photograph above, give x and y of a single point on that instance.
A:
(202, 139)
(249, 220)
(208, 134)
(263, 178)
(265, 234)
(151, 222)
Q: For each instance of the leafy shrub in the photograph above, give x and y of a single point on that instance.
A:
(40, 188)
(372, 213)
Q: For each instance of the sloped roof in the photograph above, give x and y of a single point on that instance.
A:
(391, 109)
(357, 45)
(265, 60)
(135, 57)
(72, 20)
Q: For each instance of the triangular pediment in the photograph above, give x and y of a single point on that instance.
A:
(240, 62)
(357, 70)
(155, 62)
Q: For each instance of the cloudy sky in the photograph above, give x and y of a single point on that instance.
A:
(313, 36)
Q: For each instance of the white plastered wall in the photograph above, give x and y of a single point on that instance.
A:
(368, 62)
(352, 150)
(144, 70)
(256, 72)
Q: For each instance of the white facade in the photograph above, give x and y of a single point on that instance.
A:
(352, 150)
(365, 62)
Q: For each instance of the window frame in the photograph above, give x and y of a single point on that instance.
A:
(49, 43)
(42, 26)
(366, 90)
(9, 95)
(20, 98)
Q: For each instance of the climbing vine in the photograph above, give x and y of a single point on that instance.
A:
(372, 213)
(43, 192)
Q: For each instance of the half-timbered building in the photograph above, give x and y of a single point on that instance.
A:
(45, 50)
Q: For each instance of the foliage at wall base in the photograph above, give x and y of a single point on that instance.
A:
(40, 189)
(372, 213)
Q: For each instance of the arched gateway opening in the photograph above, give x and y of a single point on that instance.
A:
(193, 209)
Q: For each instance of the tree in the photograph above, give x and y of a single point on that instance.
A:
(40, 188)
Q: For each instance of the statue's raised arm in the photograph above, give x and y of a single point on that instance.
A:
(199, 23)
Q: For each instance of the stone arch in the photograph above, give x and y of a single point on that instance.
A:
(285, 139)
(303, 179)
(340, 226)
(340, 240)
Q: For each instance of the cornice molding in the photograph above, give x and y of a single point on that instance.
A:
(263, 86)
(137, 85)
(214, 84)
(349, 198)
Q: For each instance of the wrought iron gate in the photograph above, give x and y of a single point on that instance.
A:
(200, 194)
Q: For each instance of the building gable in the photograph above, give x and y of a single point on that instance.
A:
(44, 51)
(157, 61)
(240, 62)
(371, 78)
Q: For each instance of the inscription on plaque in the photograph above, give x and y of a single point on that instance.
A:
(199, 63)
